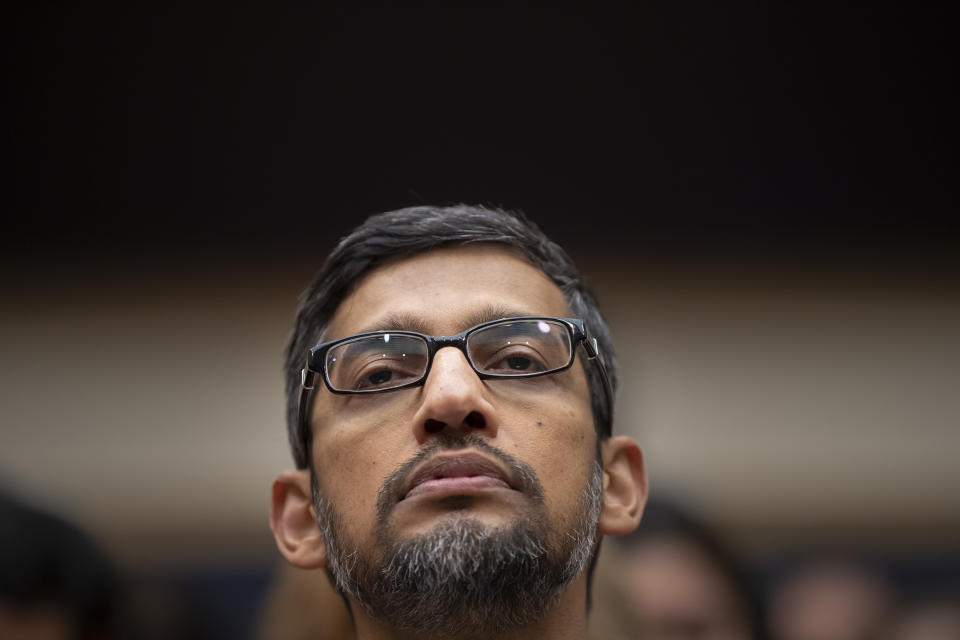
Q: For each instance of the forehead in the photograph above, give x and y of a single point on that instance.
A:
(445, 289)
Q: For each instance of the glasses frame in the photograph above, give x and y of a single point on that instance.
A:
(576, 330)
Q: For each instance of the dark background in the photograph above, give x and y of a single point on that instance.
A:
(818, 134)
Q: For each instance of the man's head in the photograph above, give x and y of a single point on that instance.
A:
(407, 232)
(474, 496)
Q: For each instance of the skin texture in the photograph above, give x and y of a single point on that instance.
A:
(546, 422)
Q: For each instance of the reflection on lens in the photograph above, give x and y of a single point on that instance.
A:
(375, 363)
(520, 347)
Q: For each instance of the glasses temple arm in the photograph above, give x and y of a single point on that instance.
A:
(307, 384)
(593, 353)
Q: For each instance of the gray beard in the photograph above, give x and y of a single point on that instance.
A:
(462, 575)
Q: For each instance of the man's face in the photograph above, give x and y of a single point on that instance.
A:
(544, 423)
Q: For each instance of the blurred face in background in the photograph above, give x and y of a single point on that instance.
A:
(676, 591)
(830, 599)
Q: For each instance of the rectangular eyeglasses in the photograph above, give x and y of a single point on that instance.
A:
(378, 361)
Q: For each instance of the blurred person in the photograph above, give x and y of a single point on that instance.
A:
(450, 387)
(55, 583)
(931, 618)
(678, 581)
(831, 596)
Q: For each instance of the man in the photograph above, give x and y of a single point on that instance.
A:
(450, 385)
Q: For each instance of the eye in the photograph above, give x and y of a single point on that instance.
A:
(520, 347)
(514, 360)
(376, 363)
(384, 374)
(518, 363)
(377, 378)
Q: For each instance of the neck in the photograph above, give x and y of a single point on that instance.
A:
(565, 620)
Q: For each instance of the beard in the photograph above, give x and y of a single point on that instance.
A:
(463, 575)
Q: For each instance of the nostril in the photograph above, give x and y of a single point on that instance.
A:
(433, 426)
(475, 420)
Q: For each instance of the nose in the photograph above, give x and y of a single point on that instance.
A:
(454, 397)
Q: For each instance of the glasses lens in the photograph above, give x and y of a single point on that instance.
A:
(520, 347)
(375, 363)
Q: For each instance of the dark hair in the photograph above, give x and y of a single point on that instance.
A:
(46, 561)
(406, 232)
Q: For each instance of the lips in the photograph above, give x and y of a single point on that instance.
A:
(457, 473)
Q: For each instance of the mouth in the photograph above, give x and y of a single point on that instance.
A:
(456, 474)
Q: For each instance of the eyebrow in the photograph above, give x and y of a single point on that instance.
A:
(397, 322)
(492, 312)
(409, 322)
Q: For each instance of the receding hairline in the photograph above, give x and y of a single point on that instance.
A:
(398, 321)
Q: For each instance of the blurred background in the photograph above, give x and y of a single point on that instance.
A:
(761, 196)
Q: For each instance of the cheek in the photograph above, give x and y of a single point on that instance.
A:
(557, 438)
(564, 469)
(353, 457)
(347, 475)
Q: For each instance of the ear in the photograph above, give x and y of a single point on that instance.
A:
(294, 522)
(624, 486)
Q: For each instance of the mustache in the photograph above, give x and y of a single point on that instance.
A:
(390, 492)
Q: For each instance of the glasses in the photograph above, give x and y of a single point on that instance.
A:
(380, 361)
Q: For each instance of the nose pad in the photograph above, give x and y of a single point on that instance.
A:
(454, 397)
